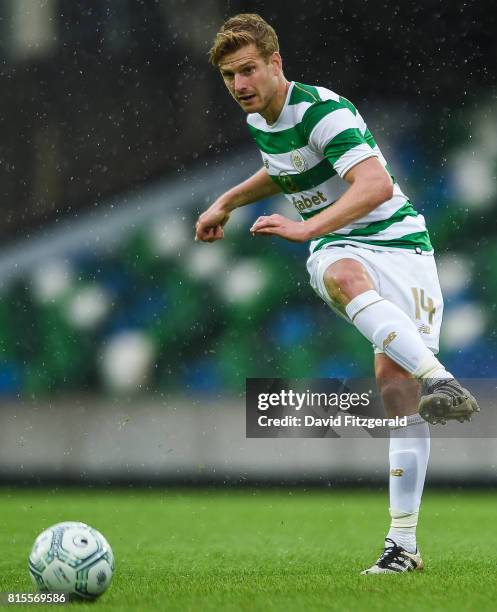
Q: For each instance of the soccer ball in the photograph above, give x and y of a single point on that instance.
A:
(72, 557)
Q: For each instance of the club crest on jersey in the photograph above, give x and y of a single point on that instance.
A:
(266, 163)
(298, 161)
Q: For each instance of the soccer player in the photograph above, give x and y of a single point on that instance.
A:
(370, 260)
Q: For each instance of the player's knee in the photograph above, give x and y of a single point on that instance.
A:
(346, 279)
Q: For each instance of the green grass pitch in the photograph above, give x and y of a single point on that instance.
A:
(241, 549)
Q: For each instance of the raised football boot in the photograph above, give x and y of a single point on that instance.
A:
(446, 400)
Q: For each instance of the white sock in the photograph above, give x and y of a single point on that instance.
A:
(391, 330)
(409, 452)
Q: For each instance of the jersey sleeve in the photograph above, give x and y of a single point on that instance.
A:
(336, 131)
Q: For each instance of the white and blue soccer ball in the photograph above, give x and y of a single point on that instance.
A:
(72, 557)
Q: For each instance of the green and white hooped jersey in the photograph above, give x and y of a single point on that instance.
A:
(317, 138)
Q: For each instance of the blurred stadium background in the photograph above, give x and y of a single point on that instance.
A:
(124, 344)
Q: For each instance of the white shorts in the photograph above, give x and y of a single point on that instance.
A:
(407, 279)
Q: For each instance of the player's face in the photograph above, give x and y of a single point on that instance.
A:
(251, 80)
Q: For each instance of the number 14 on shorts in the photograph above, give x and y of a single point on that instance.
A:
(423, 302)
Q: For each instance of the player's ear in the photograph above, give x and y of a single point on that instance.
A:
(276, 62)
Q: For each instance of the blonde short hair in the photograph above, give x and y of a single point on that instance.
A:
(240, 30)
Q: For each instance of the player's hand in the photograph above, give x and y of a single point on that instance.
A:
(277, 225)
(210, 224)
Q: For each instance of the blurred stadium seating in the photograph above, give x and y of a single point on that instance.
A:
(115, 135)
(156, 311)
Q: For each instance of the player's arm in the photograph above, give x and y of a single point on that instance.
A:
(209, 226)
(370, 186)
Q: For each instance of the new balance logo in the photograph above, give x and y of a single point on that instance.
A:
(389, 339)
(397, 472)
